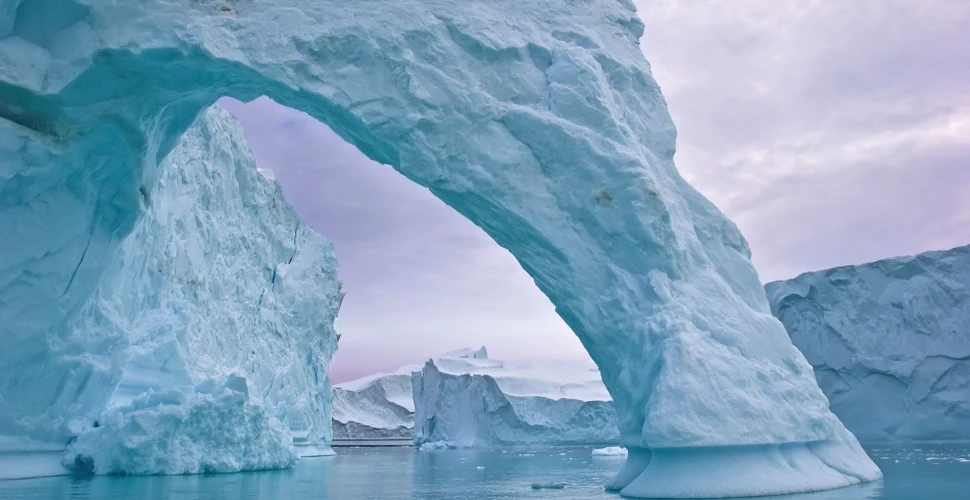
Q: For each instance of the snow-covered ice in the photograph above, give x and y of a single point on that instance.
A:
(477, 401)
(217, 278)
(539, 121)
(889, 341)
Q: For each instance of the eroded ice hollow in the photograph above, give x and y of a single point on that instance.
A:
(539, 121)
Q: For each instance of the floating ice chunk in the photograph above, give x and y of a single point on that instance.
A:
(611, 451)
(548, 486)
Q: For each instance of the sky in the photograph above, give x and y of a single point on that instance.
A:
(832, 133)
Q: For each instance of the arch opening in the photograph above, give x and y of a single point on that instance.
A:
(548, 132)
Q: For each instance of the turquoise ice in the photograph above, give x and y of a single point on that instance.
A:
(537, 120)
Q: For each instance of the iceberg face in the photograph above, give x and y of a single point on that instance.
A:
(375, 407)
(475, 401)
(218, 278)
(176, 432)
(539, 121)
(889, 342)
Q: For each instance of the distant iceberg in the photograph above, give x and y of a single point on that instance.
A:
(889, 341)
(475, 401)
(547, 403)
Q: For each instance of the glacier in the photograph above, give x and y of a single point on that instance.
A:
(538, 121)
(477, 401)
(889, 341)
(218, 282)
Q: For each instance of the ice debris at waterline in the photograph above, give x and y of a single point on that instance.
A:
(217, 278)
(539, 121)
(890, 342)
(610, 451)
(209, 429)
(477, 401)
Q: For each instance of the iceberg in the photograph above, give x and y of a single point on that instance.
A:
(379, 406)
(477, 402)
(538, 121)
(889, 341)
(218, 280)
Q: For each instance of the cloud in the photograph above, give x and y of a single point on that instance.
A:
(831, 132)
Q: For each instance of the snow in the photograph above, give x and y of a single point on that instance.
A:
(889, 341)
(477, 401)
(174, 432)
(217, 278)
(538, 121)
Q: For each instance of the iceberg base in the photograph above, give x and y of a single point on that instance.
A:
(745, 471)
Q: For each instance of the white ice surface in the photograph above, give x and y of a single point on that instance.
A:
(889, 341)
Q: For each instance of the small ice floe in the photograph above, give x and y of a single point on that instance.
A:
(480, 467)
(612, 451)
(548, 486)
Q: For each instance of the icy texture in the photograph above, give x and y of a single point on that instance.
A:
(539, 121)
(175, 432)
(475, 401)
(890, 342)
(381, 405)
(378, 406)
(218, 277)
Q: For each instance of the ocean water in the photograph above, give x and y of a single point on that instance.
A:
(913, 472)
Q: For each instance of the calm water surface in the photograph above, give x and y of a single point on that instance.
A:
(914, 472)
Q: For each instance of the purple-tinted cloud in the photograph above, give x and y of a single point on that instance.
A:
(832, 132)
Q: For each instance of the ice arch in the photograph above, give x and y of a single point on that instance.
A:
(539, 121)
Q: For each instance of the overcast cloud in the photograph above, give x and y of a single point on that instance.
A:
(831, 132)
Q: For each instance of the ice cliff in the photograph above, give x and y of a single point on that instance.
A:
(374, 407)
(205, 344)
(538, 121)
(889, 341)
(470, 402)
